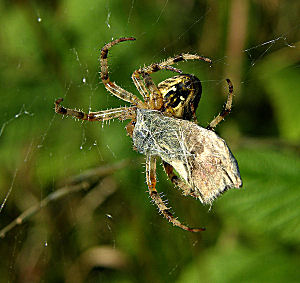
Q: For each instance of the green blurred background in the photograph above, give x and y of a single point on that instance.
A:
(50, 49)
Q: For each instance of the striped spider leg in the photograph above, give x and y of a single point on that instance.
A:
(226, 108)
(142, 88)
(122, 113)
(186, 189)
(156, 98)
(163, 209)
(111, 86)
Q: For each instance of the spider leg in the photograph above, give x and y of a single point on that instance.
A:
(164, 210)
(123, 113)
(111, 86)
(226, 108)
(166, 64)
(140, 85)
(156, 100)
(187, 190)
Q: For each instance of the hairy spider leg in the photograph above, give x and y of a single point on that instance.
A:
(122, 113)
(226, 108)
(173, 60)
(156, 100)
(111, 86)
(139, 84)
(177, 181)
(163, 209)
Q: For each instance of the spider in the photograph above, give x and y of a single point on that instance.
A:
(164, 125)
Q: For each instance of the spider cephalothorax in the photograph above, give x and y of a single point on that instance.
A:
(159, 127)
(181, 95)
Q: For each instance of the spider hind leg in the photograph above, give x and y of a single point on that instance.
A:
(163, 209)
(186, 189)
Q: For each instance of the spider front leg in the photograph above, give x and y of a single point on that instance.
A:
(163, 209)
(122, 113)
(111, 86)
(173, 60)
(156, 97)
(156, 100)
(226, 108)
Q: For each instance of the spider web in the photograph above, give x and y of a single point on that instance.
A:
(40, 148)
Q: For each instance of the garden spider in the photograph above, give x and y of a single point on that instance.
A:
(164, 125)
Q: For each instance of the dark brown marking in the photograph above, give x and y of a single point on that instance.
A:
(225, 112)
(167, 212)
(125, 39)
(104, 52)
(153, 193)
(62, 110)
(147, 80)
(59, 100)
(230, 85)
(130, 128)
(104, 76)
(178, 58)
(80, 115)
(174, 178)
(155, 68)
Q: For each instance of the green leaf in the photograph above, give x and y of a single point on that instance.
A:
(269, 200)
(240, 264)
